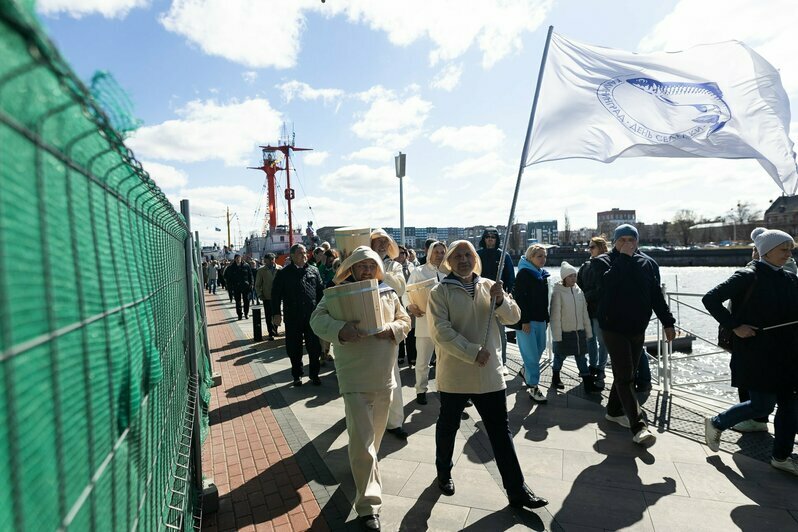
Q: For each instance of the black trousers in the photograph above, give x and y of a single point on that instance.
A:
(492, 408)
(408, 347)
(624, 351)
(295, 334)
(267, 314)
(240, 294)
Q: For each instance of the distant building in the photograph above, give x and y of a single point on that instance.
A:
(783, 214)
(607, 221)
(543, 232)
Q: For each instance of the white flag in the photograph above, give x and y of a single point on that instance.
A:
(716, 100)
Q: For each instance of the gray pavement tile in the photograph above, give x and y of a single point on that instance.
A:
(509, 519)
(704, 481)
(474, 488)
(587, 505)
(395, 474)
(757, 481)
(685, 514)
(581, 439)
(540, 461)
(622, 472)
(417, 448)
(414, 514)
(616, 440)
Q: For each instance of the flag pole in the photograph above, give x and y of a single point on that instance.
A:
(521, 167)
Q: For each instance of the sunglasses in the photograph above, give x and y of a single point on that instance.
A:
(492, 237)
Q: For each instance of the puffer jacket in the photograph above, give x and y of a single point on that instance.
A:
(458, 325)
(568, 312)
(365, 365)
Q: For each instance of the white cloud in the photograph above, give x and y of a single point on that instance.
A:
(392, 121)
(488, 166)
(208, 130)
(81, 8)
(250, 76)
(359, 180)
(448, 78)
(208, 208)
(298, 89)
(743, 20)
(165, 176)
(315, 158)
(469, 138)
(237, 32)
(372, 153)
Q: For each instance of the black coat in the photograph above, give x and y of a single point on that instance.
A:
(490, 266)
(589, 286)
(299, 290)
(768, 361)
(628, 290)
(532, 296)
(238, 276)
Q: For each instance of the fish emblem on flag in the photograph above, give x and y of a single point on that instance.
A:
(665, 112)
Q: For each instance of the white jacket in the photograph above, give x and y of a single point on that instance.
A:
(365, 365)
(394, 276)
(568, 312)
(422, 273)
(458, 326)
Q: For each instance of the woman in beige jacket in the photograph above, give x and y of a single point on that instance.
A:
(364, 365)
(458, 313)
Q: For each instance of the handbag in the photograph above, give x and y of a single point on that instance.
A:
(725, 335)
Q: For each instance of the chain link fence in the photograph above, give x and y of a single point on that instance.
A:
(104, 366)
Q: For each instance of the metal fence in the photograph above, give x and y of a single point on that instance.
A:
(104, 365)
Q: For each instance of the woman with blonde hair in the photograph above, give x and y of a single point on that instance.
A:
(531, 292)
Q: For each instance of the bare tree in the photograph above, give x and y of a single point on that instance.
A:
(745, 212)
(680, 227)
(567, 228)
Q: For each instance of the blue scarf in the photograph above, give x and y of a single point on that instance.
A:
(536, 272)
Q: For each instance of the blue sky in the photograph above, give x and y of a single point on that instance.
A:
(450, 83)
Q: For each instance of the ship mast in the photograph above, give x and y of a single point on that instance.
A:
(270, 167)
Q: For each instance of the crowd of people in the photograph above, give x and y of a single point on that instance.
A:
(597, 313)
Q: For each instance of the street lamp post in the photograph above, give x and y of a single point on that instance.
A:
(399, 161)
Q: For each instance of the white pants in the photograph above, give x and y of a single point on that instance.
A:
(396, 417)
(366, 416)
(424, 349)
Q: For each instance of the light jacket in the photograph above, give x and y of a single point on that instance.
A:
(568, 312)
(264, 279)
(422, 273)
(365, 365)
(394, 276)
(458, 327)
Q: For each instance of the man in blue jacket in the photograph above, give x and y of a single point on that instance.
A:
(490, 252)
(629, 289)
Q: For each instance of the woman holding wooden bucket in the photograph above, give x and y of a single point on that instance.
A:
(365, 368)
(424, 345)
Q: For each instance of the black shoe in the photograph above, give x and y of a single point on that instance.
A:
(297, 382)
(369, 522)
(446, 485)
(469, 402)
(246, 316)
(555, 380)
(399, 432)
(316, 381)
(239, 318)
(270, 338)
(528, 499)
(421, 398)
(589, 382)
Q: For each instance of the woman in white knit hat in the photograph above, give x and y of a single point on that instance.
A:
(364, 366)
(570, 327)
(764, 355)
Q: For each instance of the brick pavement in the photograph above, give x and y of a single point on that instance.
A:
(261, 486)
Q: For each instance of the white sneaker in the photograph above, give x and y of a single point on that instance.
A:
(644, 438)
(789, 465)
(712, 435)
(620, 420)
(536, 395)
(750, 425)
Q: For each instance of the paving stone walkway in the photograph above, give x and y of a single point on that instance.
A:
(593, 475)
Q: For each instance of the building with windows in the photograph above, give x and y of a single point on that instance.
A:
(543, 232)
(607, 221)
(783, 214)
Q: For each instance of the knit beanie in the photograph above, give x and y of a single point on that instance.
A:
(625, 230)
(566, 270)
(756, 232)
(769, 239)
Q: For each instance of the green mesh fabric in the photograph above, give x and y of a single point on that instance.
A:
(97, 398)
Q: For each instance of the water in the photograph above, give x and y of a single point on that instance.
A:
(693, 280)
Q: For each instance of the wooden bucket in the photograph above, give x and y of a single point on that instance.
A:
(418, 293)
(360, 302)
(349, 238)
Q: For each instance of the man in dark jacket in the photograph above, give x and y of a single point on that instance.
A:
(238, 278)
(629, 289)
(490, 253)
(298, 288)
